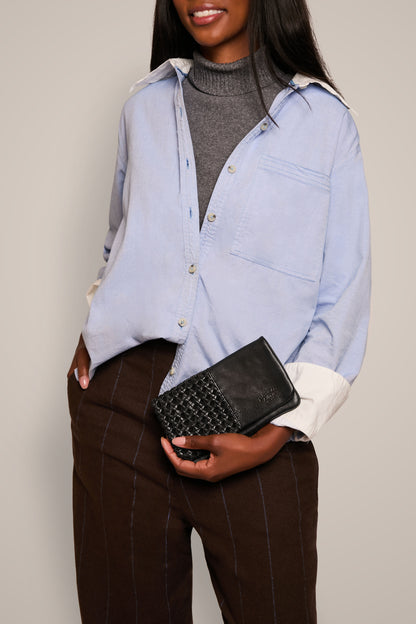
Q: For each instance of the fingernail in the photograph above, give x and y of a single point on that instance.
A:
(179, 441)
(83, 382)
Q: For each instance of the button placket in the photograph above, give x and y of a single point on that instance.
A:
(189, 200)
(170, 379)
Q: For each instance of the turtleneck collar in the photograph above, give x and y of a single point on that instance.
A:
(225, 79)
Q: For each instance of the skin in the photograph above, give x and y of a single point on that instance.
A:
(81, 360)
(223, 41)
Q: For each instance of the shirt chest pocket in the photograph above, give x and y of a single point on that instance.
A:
(283, 221)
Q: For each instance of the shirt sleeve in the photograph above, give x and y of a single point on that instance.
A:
(116, 206)
(330, 357)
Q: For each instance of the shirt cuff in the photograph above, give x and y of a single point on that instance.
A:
(322, 391)
(91, 291)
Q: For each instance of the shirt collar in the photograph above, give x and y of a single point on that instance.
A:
(181, 66)
(165, 70)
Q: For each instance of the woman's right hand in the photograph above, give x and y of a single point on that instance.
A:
(81, 361)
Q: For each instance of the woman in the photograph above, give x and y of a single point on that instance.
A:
(239, 209)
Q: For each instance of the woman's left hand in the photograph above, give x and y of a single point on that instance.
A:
(229, 452)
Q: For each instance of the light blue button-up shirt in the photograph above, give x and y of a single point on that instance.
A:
(283, 252)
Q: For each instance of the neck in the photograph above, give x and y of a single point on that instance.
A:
(229, 51)
(225, 79)
(224, 56)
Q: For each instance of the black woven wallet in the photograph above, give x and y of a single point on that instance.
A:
(241, 393)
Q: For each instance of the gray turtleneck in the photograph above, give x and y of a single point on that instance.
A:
(222, 106)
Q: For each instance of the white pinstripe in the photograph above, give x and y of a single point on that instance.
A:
(268, 545)
(300, 532)
(166, 549)
(134, 488)
(101, 492)
(235, 553)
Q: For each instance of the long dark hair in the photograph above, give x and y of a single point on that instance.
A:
(283, 27)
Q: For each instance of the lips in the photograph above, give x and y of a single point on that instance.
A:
(206, 6)
(206, 14)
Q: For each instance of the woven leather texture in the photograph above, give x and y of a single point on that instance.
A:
(195, 407)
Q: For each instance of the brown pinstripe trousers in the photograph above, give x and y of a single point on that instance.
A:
(133, 514)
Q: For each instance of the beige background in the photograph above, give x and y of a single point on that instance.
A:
(66, 70)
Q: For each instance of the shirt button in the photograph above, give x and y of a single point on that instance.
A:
(182, 322)
(211, 216)
(172, 371)
(231, 168)
(192, 268)
(264, 126)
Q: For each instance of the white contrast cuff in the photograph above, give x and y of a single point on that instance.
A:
(322, 392)
(91, 291)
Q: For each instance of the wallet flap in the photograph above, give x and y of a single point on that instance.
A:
(255, 383)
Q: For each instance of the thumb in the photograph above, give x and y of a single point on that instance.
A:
(206, 442)
(83, 362)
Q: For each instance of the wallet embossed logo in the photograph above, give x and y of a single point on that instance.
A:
(269, 395)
